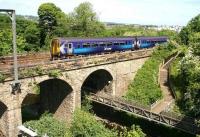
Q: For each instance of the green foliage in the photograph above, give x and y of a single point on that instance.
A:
(178, 86)
(6, 42)
(190, 73)
(194, 24)
(23, 35)
(85, 125)
(86, 104)
(48, 125)
(184, 35)
(28, 72)
(190, 35)
(135, 131)
(145, 88)
(36, 89)
(195, 43)
(32, 38)
(2, 78)
(84, 21)
(54, 73)
(51, 21)
(185, 79)
(188, 69)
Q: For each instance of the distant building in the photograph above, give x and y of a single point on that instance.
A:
(165, 27)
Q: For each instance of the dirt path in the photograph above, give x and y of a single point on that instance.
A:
(164, 85)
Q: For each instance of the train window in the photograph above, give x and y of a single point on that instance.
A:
(70, 45)
(122, 43)
(86, 45)
(102, 44)
(109, 44)
(66, 45)
(94, 45)
(116, 44)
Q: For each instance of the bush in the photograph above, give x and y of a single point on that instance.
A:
(85, 125)
(48, 125)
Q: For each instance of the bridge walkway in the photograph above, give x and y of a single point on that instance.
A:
(185, 124)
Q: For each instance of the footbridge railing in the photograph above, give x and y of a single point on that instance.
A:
(182, 123)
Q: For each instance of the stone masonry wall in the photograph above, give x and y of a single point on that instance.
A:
(121, 72)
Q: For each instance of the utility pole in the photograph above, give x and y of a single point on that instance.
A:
(16, 84)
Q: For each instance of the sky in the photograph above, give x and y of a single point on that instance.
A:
(148, 12)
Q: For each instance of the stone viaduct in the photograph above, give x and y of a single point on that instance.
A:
(61, 95)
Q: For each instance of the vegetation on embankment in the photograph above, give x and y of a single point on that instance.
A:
(177, 86)
(83, 124)
(145, 88)
(185, 71)
(185, 81)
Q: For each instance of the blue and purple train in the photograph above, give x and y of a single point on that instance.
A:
(83, 46)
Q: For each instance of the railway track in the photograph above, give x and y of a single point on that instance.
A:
(31, 60)
(44, 67)
(24, 58)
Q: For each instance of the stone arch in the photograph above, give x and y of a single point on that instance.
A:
(98, 80)
(3, 119)
(55, 96)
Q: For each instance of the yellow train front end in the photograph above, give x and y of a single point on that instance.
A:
(55, 48)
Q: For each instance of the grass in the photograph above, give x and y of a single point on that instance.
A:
(145, 89)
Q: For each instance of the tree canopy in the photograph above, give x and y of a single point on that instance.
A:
(85, 22)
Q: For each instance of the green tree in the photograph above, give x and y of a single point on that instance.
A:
(184, 35)
(6, 42)
(194, 24)
(32, 34)
(50, 17)
(85, 22)
(187, 32)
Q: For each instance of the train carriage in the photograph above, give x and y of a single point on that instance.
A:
(148, 42)
(83, 46)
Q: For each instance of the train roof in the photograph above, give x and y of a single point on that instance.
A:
(152, 38)
(94, 39)
(110, 39)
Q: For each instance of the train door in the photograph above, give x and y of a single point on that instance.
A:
(69, 48)
(137, 44)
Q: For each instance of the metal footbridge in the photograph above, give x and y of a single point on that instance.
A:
(185, 124)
